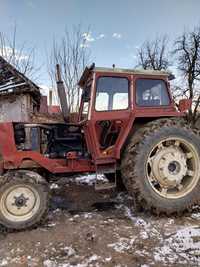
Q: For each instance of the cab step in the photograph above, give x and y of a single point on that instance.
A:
(102, 185)
(102, 182)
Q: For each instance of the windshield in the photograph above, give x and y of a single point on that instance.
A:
(112, 93)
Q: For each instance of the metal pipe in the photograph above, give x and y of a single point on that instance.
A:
(62, 94)
(50, 97)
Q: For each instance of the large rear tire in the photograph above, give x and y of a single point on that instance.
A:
(160, 167)
(24, 199)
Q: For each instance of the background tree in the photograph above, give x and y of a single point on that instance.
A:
(72, 54)
(154, 54)
(19, 55)
(188, 58)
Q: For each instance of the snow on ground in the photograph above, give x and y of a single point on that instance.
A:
(90, 262)
(87, 179)
(183, 245)
(90, 179)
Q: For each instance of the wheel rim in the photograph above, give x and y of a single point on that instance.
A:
(173, 168)
(19, 203)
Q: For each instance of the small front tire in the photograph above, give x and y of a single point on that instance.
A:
(24, 197)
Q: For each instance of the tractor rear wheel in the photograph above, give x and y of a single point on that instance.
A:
(23, 199)
(160, 167)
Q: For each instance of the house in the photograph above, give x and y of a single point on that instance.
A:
(19, 96)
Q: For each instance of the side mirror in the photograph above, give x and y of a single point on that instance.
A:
(184, 104)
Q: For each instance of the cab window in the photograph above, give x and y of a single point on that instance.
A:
(86, 99)
(151, 92)
(112, 93)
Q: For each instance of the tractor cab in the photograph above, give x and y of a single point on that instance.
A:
(114, 99)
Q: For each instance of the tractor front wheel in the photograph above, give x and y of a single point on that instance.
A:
(23, 200)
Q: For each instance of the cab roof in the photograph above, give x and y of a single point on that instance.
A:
(92, 68)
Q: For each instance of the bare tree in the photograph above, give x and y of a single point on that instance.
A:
(153, 54)
(72, 54)
(19, 55)
(188, 55)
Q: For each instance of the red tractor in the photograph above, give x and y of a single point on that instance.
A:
(128, 125)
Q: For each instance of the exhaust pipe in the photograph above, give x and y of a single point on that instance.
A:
(62, 94)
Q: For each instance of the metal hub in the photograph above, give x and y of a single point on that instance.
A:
(169, 166)
(19, 203)
(172, 167)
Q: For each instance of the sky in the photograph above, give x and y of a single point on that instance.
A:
(117, 27)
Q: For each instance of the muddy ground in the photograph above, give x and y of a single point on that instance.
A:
(86, 228)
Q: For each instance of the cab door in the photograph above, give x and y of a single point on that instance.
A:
(110, 114)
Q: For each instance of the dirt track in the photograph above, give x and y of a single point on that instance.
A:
(89, 229)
